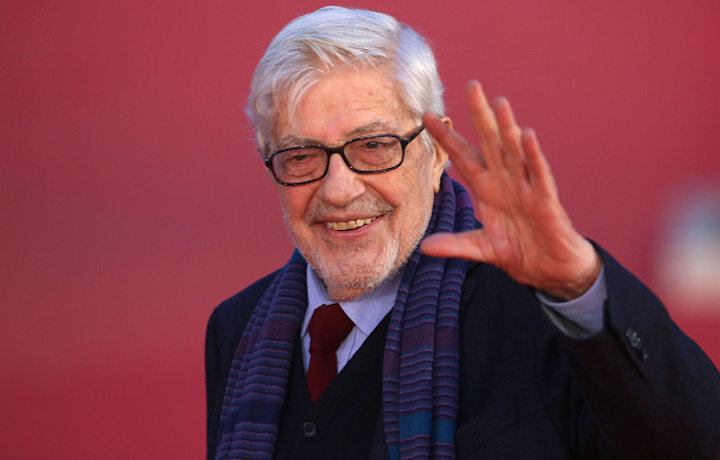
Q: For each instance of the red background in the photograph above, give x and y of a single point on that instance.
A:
(131, 202)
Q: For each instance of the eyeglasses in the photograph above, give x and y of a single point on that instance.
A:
(364, 155)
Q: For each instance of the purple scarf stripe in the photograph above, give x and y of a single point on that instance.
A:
(420, 365)
(420, 381)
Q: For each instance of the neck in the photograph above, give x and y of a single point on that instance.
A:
(344, 293)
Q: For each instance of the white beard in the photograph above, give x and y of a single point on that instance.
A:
(339, 273)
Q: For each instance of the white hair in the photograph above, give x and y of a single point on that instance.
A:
(332, 38)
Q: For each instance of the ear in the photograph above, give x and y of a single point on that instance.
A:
(441, 157)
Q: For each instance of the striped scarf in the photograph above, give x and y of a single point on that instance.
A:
(420, 364)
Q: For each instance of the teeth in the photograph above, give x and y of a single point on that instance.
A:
(349, 225)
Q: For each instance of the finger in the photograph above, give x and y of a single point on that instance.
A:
(510, 135)
(468, 162)
(466, 245)
(539, 173)
(483, 118)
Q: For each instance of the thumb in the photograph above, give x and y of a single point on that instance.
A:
(466, 245)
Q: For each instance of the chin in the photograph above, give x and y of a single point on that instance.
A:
(354, 278)
(352, 272)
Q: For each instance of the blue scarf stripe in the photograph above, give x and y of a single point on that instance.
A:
(261, 380)
(407, 439)
(420, 365)
(261, 438)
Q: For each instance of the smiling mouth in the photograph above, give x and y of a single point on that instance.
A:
(349, 225)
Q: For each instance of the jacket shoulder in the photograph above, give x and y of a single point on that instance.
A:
(224, 329)
(233, 313)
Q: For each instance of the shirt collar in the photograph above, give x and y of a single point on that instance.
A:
(366, 311)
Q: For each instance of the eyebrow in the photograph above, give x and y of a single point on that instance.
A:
(379, 127)
(372, 127)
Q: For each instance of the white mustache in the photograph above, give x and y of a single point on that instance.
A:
(361, 206)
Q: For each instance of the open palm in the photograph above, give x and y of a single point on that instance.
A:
(526, 231)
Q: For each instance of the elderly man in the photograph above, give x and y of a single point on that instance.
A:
(402, 327)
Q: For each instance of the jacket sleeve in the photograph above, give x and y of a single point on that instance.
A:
(212, 385)
(654, 392)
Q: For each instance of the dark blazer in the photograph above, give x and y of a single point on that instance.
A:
(639, 389)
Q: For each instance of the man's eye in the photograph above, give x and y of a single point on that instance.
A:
(376, 144)
(302, 156)
(299, 158)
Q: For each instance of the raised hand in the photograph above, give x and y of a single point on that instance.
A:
(526, 231)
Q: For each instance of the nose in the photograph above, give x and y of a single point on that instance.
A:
(340, 185)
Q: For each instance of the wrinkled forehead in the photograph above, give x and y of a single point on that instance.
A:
(358, 99)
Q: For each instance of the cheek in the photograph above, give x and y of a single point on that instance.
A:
(421, 192)
(405, 185)
(411, 193)
(290, 203)
(421, 178)
(294, 201)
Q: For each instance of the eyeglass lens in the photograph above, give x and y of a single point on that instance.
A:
(363, 155)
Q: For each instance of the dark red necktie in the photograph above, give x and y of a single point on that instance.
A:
(328, 327)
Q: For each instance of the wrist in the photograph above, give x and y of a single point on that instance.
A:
(581, 281)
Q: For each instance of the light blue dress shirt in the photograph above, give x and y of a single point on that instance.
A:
(578, 318)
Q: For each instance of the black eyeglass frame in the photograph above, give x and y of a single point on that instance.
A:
(404, 141)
